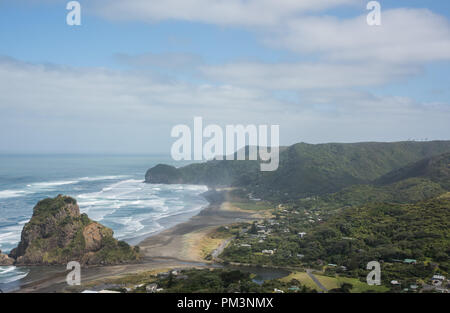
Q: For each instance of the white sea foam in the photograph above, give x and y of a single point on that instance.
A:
(9, 274)
(129, 206)
(4, 194)
(132, 207)
(97, 178)
(10, 235)
(51, 184)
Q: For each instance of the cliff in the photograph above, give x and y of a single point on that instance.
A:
(5, 260)
(57, 234)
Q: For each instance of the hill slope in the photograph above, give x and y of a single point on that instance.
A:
(305, 169)
(384, 231)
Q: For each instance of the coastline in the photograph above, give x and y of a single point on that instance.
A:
(174, 247)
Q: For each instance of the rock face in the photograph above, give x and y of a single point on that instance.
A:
(163, 174)
(57, 234)
(5, 260)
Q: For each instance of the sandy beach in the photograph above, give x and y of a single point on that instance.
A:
(177, 247)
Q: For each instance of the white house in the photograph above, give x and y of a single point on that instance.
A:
(438, 277)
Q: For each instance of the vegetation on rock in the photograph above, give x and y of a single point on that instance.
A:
(57, 234)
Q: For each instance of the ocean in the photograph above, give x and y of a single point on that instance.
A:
(110, 189)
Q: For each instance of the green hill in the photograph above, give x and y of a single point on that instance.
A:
(435, 169)
(383, 232)
(305, 169)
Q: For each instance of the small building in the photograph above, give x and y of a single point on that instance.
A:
(410, 261)
(395, 282)
(302, 234)
(438, 277)
(267, 252)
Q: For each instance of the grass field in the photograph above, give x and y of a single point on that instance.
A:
(303, 278)
(333, 282)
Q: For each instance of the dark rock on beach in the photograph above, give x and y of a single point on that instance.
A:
(5, 260)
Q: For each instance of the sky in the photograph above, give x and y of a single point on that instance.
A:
(119, 82)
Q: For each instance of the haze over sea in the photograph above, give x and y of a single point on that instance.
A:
(110, 189)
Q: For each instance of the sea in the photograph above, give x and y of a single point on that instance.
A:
(110, 189)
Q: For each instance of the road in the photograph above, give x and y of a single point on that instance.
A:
(318, 283)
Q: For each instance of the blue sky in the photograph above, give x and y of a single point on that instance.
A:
(137, 68)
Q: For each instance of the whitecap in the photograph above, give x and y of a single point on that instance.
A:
(4, 194)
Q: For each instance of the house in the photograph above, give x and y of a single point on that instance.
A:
(267, 252)
(409, 261)
(438, 277)
(151, 288)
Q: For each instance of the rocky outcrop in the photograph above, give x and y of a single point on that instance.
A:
(57, 234)
(163, 174)
(5, 260)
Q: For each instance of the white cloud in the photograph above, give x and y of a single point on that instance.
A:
(220, 12)
(348, 52)
(296, 76)
(405, 36)
(53, 108)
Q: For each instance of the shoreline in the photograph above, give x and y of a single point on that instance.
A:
(169, 248)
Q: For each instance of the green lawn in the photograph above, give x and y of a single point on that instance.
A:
(333, 282)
